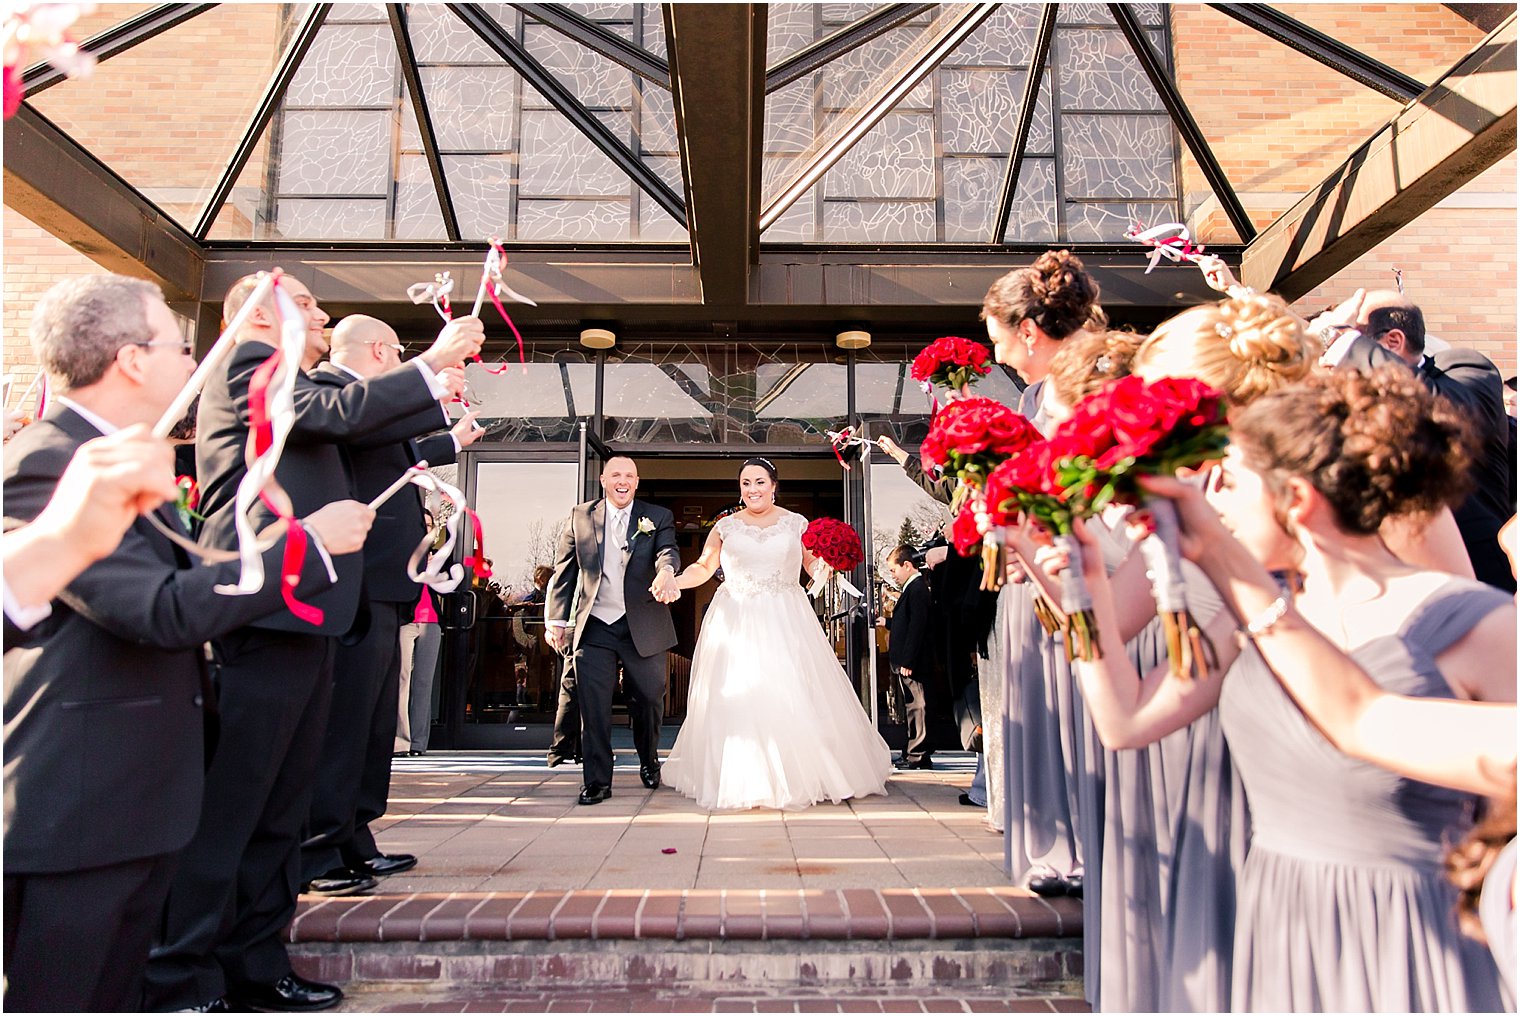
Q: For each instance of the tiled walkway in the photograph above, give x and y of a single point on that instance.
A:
(502, 821)
(799, 1000)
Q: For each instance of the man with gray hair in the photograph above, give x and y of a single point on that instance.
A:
(107, 702)
(354, 773)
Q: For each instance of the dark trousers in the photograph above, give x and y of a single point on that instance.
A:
(354, 774)
(77, 941)
(565, 742)
(917, 708)
(235, 890)
(602, 647)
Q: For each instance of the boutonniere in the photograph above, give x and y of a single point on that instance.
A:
(189, 499)
(645, 527)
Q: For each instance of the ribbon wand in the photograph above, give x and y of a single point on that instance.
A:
(214, 359)
(401, 481)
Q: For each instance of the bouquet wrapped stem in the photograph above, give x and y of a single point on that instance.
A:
(1076, 602)
(1187, 648)
(1047, 615)
(994, 559)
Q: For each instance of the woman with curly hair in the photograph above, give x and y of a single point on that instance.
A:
(1341, 901)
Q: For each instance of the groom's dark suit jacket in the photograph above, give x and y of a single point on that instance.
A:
(579, 562)
(104, 701)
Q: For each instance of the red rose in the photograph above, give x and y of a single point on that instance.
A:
(964, 532)
(835, 542)
(951, 361)
(971, 436)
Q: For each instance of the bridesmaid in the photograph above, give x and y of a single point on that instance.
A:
(1034, 755)
(1342, 905)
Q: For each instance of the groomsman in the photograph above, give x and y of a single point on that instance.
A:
(911, 652)
(614, 578)
(235, 891)
(339, 856)
(107, 699)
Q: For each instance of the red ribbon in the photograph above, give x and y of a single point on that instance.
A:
(290, 574)
(490, 285)
(259, 421)
(476, 562)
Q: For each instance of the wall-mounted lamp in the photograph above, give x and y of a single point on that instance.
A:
(853, 340)
(597, 338)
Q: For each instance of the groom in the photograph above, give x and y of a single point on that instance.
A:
(616, 563)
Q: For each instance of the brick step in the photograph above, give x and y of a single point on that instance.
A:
(671, 939)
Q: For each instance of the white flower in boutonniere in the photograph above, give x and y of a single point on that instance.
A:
(645, 527)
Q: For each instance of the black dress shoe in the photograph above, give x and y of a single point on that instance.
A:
(651, 776)
(291, 993)
(1073, 885)
(340, 882)
(907, 763)
(382, 865)
(966, 801)
(1047, 885)
(594, 793)
(215, 1005)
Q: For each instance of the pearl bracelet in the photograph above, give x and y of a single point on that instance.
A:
(1267, 619)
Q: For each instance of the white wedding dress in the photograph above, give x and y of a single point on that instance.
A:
(771, 718)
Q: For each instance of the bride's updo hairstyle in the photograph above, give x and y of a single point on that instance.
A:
(1373, 445)
(1055, 293)
(765, 464)
(1243, 346)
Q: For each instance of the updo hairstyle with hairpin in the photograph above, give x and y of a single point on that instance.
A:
(1374, 445)
(1244, 347)
(1055, 292)
(1088, 362)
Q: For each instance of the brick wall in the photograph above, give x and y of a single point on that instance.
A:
(33, 260)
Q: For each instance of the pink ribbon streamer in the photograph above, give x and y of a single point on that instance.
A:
(1178, 246)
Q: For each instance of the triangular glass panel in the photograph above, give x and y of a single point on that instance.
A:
(175, 156)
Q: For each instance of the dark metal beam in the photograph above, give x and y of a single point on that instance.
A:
(1182, 117)
(1037, 61)
(547, 85)
(1460, 126)
(56, 183)
(597, 39)
(408, 57)
(274, 92)
(948, 32)
(808, 59)
(1331, 52)
(717, 60)
(116, 39)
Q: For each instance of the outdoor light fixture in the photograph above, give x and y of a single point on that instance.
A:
(853, 340)
(597, 338)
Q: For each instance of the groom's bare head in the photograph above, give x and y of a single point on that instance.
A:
(620, 480)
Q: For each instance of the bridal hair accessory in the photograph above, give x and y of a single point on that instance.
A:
(1169, 240)
(839, 440)
(1103, 364)
(1224, 330)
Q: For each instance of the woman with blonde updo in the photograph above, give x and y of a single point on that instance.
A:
(1341, 903)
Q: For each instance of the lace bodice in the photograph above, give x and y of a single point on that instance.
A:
(761, 560)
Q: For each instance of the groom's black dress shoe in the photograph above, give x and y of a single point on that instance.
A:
(1073, 885)
(382, 865)
(651, 776)
(291, 993)
(340, 882)
(1047, 885)
(902, 762)
(594, 793)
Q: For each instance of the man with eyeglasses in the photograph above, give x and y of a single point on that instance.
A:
(107, 700)
(339, 856)
(235, 891)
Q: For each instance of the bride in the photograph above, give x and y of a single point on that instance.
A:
(771, 720)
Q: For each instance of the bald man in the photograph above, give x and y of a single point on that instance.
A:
(339, 855)
(1393, 331)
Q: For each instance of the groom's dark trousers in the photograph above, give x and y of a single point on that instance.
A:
(602, 648)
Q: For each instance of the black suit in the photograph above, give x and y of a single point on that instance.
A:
(639, 639)
(105, 716)
(909, 648)
(235, 891)
(1470, 381)
(354, 774)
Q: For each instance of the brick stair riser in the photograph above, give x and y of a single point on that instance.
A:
(1025, 964)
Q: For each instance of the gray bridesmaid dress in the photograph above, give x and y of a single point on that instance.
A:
(1341, 903)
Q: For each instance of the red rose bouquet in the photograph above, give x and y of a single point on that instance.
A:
(969, 437)
(837, 545)
(1132, 429)
(951, 362)
(1027, 484)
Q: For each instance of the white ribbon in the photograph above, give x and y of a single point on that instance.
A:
(282, 415)
(435, 576)
(436, 292)
(1162, 248)
(822, 573)
(213, 360)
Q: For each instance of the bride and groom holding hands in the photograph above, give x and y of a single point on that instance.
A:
(771, 717)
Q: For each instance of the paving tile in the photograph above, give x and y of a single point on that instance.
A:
(867, 913)
(618, 916)
(488, 921)
(743, 914)
(362, 922)
(531, 918)
(574, 916)
(403, 922)
(909, 918)
(991, 915)
(949, 917)
(826, 914)
(784, 914)
(660, 915)
(702, 914)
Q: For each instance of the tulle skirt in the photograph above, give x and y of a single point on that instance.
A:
(771, 718)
